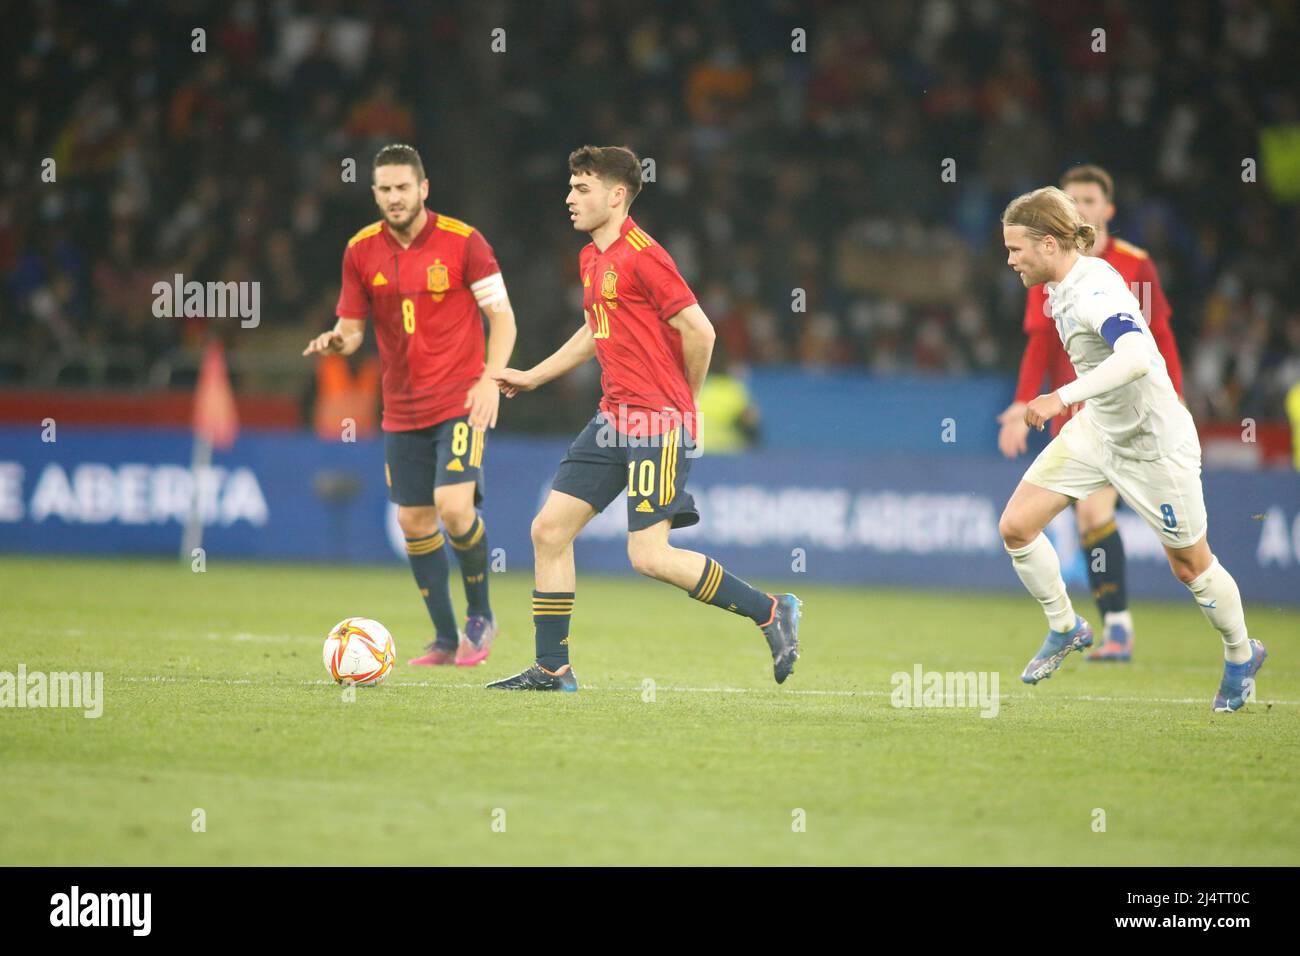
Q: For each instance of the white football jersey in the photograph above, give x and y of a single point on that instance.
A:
(1092, 306)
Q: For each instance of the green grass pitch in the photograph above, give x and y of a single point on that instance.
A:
(216, 700)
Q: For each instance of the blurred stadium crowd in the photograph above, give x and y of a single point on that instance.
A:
(773, 170)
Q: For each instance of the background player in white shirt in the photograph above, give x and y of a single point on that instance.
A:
(1133, 434)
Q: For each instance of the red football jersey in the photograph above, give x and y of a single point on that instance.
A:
(1044, 353)
(426, 314)
(629, 292)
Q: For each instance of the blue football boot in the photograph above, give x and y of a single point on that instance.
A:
(1116, 645)
(1055, 649)
(1238, 684)
(782, 633)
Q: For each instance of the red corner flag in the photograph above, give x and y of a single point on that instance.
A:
(215, 417)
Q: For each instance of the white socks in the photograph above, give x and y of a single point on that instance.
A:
(1040, 571)
(1122, 618)
(1220, 601)
(1214, 589)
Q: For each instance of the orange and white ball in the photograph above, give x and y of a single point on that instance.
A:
(359, 651)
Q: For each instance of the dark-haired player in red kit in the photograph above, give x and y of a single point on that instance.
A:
(425, 277)
(653, 343)
(1093, 192)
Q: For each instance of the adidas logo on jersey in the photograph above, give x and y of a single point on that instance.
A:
(379, 279)
(455, 465)
(645, 507)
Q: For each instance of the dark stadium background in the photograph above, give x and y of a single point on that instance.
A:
(775, 170)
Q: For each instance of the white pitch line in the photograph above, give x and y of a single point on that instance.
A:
(710, 690)
(171, 679)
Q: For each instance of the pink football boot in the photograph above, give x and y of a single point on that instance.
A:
(436, 656)
(476, 641)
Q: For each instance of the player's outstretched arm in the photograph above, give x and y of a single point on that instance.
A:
(1014, 434)
(344, 339)
(501, 336)
(697, 344)
(580, 348)
(484, 398)
(1164, 336)
(1128, 363)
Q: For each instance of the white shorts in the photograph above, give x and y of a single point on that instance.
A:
(1165, 492)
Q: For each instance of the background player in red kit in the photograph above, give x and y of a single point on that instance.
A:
(653, 343)
(424, 277)
(1092, 190)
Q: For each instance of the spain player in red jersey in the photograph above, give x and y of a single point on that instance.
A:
(653, 342)
(1092, 190)
(424, 277)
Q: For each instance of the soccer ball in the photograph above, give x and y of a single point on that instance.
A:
(359, 651)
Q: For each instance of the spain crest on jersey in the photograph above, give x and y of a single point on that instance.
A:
(608, 285)
(438, 278)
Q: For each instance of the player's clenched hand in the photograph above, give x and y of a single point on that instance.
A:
(326, 342)
(1041, 409)
(511, 381)
(1013, 438)
(483, 401)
